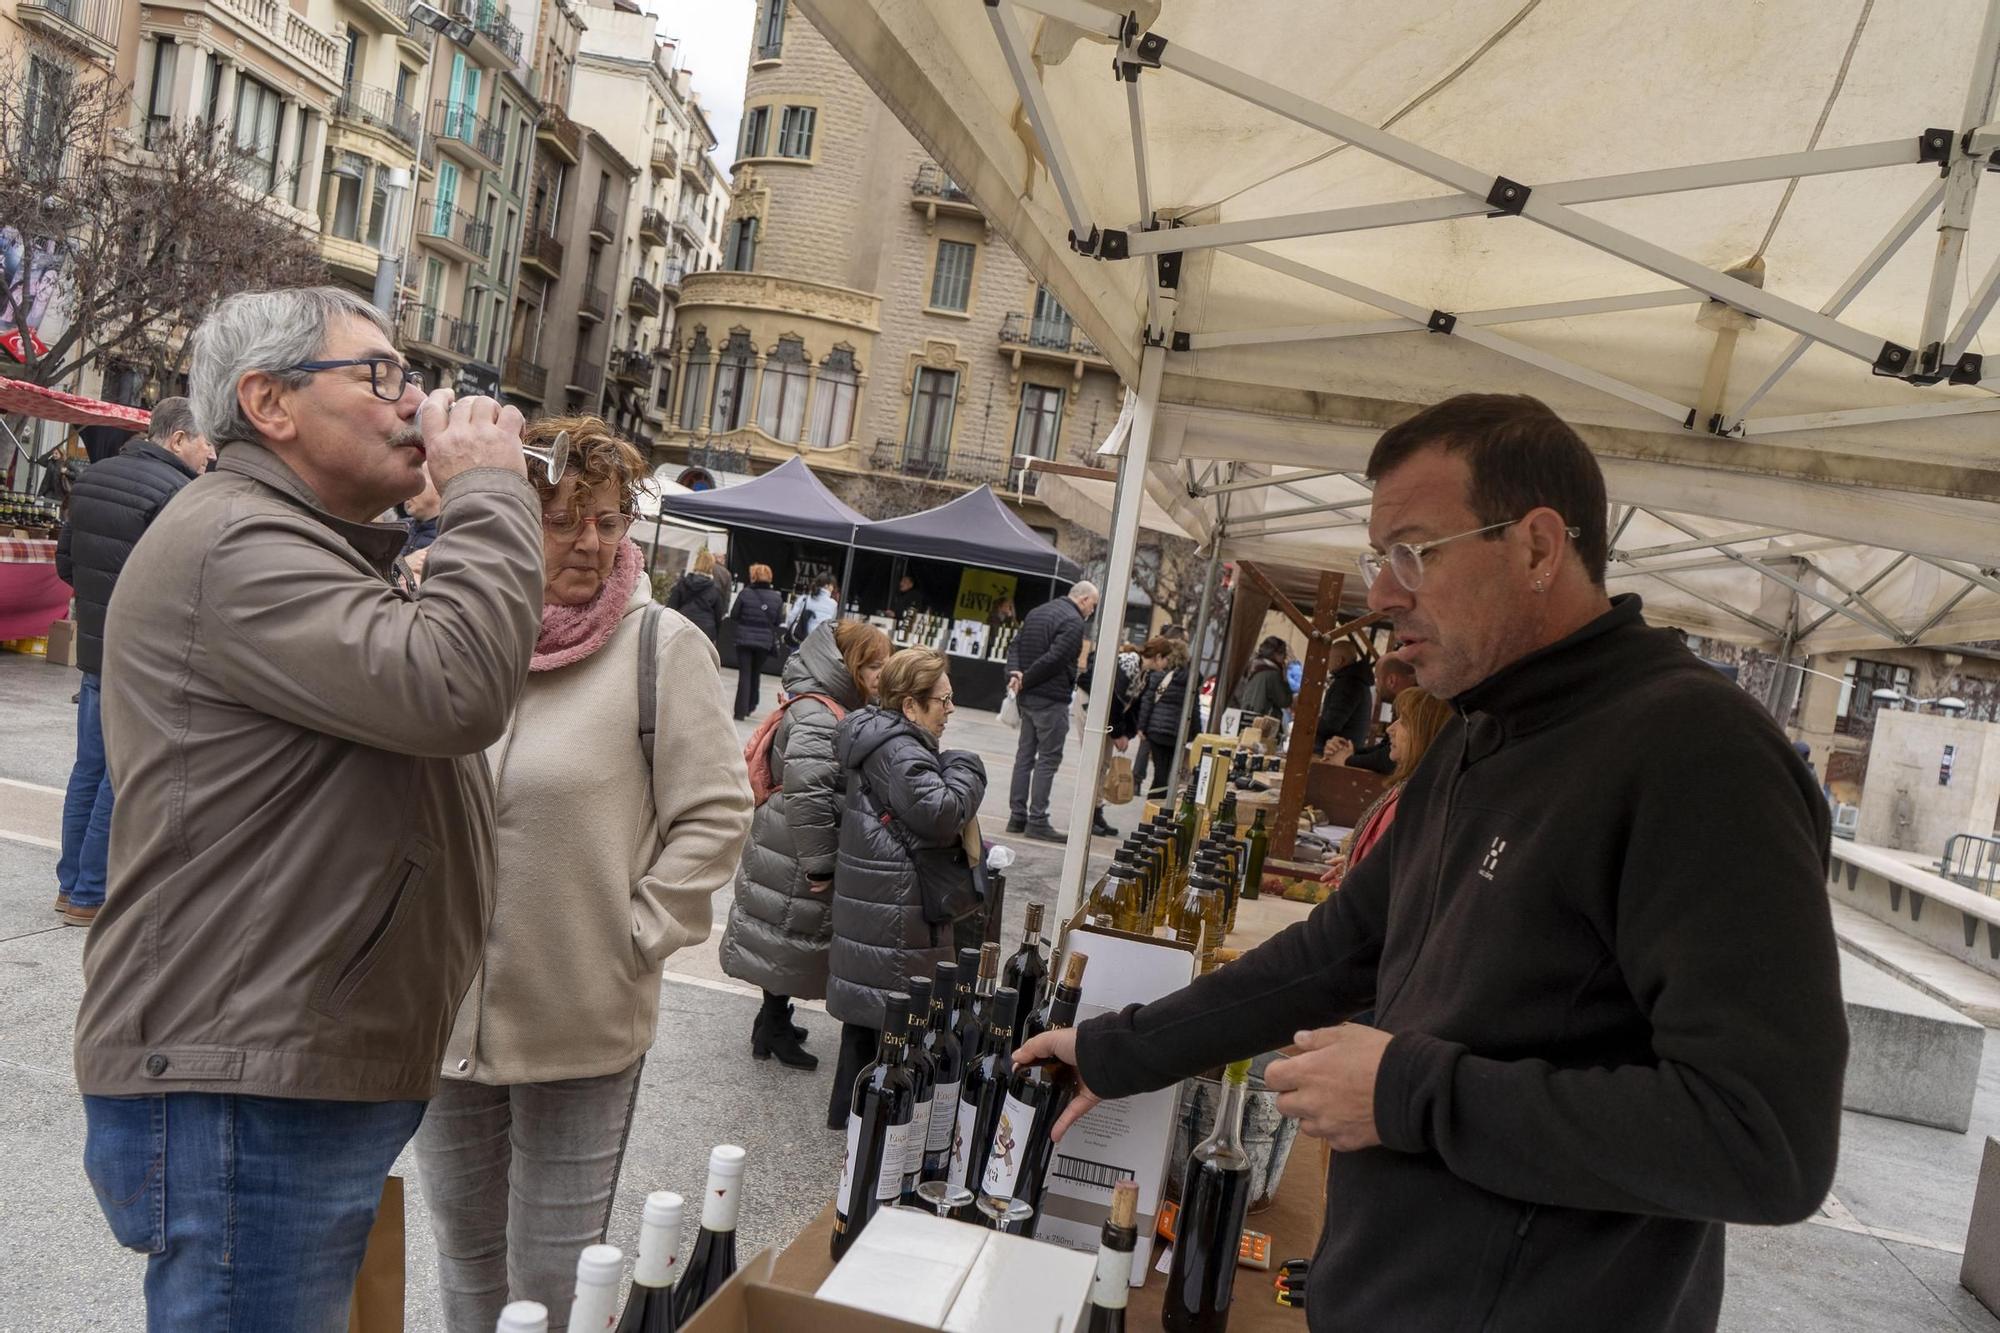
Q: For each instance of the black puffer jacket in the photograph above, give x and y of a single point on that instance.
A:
(880, 937)
(1160, 706)
(699, 598)
(1345, 708)
(759, 615)
(110, 509)
(1045, 652)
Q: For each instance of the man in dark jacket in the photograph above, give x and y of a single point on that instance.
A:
(1392, 677)
(1264, 690)
(1596, 1038)
(1347, 706)
(110, 509)
(1041, 673)
(421, 519)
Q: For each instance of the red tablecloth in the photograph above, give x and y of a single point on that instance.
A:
(32, 598)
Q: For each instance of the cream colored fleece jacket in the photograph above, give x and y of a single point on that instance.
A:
(604, 869)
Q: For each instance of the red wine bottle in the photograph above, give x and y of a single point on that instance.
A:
(948, 1060)
(649, 1307)
(1113, 1283)
(1027, 972)
(1209, 1231)
(923, 1072)
(713, 1260)
(975, 989)
(984, 1089)
(878, 1131)
(1017, 1158)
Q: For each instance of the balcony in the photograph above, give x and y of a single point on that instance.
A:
(387, 15)
(604, 221)
(652, 227)
(377, 109)
(91, 24)
(694, 168)
(586, 377)
(963, 467)
(524, 378)
(934, 192)
(1049, 339)
(665, 160)
(427, 329)
(632, 366)
(491, 28)
(594, 303)
(692, 229)
(543, 252)
(466, 135)
(644, 299)
(560, 135)
(670, 281)
(454, 232)
(276, 22)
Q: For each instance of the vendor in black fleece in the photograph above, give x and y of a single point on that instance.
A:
(1608, 1014)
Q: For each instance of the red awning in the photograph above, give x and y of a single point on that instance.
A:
(54, 405)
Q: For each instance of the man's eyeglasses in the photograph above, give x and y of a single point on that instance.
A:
(1405, 560)
(387, 377)
(610, 527)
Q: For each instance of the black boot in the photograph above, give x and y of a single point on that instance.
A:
(797, 1031)
(1099, 827)
(773, 1034)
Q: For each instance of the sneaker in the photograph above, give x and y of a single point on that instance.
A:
(1017, 825)
(1042, 831)
(74, 915)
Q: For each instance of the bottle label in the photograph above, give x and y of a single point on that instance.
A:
(847, 1166)
(920, 1137)
(1113, 1280)
(944, 1118)
(895, 1152)
(961, 1141)
(1203, 773)
(718, 1206)
(1010, 1145)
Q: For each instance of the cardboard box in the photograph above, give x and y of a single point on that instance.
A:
(911, 1267)
(62, 643)
(750, 1303)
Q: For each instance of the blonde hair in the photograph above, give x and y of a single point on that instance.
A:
(1423, 716)
(597, 454)
(911, 674)
(861, 645)
(704, 562)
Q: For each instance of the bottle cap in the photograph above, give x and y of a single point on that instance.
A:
(725, 1159)
(945, 980)
(600, 1265)
(896, 1010)
(663, 1209)
(968, 959)
(1125, 1204)
(523, 1317)
(920, 993)
(1006, 1002)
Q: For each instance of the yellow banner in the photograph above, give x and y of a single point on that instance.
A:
(979, 590)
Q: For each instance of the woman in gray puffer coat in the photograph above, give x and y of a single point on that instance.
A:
(779, 923)
(902, 792)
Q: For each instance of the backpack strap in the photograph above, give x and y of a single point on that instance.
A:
(649, 678)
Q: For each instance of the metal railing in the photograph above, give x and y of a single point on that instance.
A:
(644, 297)
(461, 124)
(378, 108)
(528, 376)
(1972, 859)
(671, 274)
(594, 302)
(1051, 335)
(665, 158)
(544, 249)
(966, 466)
(933, 182)
(653, 223)
(95, 22)
(587, 376)
(455, 225)
(632, 366)
(558, 128)
(492, 22)
(428, 324)
(604, 220)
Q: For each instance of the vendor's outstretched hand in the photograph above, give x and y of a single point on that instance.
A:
(1329, 1087)
(1059, 1045)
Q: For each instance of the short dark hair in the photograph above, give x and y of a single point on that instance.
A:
(170, 415)
(1522, 456)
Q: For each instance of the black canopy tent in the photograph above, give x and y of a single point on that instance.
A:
(788, 500)
(975, 529)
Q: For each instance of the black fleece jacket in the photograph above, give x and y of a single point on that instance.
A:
(1598, 931)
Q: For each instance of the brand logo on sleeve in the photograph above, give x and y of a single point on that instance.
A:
(1492, 861)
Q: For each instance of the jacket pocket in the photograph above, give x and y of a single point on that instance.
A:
(1508, 1267)
(369, 936)
(125, 1157)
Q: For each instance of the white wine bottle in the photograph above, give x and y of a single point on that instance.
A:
(650, 1306)
(878, 1130)
(1018, 1157)
(523, 1317)
(598, 1269)
(1113, 1283)
(713, 1261)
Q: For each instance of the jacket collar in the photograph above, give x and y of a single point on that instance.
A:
(379, 543)
(1551, 682)
(145, 448)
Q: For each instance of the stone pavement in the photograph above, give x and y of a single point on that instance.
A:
(1882, 1255)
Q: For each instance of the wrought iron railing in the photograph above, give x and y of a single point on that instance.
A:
(379, 108)
(934, 182)
(1052, 335)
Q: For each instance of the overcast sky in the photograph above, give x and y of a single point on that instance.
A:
(714, 37)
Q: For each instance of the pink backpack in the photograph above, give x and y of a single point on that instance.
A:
(757, 751)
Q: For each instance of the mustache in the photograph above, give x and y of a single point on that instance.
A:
(408, 436)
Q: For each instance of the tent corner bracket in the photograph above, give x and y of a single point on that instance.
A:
(1102, 243)
(1136, 51)
(1934, 145)
(1969, 369)
(1441, 322)
(1507, 198)
(1169, 269)
(1893, 359)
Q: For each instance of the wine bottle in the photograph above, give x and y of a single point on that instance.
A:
(984, 1090)
(948, 1057)
(649, 1308)
(1018, 1156)
(598, 1269)
(1255, 843)
(878, 1130)
(923, 1073)
(1100, 907)
(1127, 896)
(978, 976)
(1027, 972)
(523, 1317)
(1214, 1196)
(1113, 1282)
(1185, 821)
(713, 1260)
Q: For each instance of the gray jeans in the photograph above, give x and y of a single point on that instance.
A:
(518, 1180)
(1044, 727)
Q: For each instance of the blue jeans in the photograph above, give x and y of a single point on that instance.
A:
(86, 824)
(253, 1212)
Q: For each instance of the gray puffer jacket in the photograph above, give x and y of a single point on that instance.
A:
(880, 936)
(778, 926)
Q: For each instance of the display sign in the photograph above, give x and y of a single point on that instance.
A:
(979, 591)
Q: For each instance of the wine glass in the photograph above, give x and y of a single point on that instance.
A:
(554, 459)
(944, 1197)
(1008, 1215)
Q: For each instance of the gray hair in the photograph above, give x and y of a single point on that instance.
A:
(1081, 589)
(267, 331)
(170, 415)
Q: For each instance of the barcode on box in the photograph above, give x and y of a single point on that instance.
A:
(1101, 1174)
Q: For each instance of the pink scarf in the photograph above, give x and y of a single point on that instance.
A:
(572, 633)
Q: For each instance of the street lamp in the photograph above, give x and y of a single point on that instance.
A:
(430, 16)
(388, 266)
(1944, 703)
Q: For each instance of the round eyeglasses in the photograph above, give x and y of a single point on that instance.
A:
(1405, 560)
(610, 527)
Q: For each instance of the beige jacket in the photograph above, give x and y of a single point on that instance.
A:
(606, 867)
(302, 849)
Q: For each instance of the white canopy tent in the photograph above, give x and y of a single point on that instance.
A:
(1693, 232)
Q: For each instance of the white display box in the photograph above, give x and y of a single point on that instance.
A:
(935, 1273)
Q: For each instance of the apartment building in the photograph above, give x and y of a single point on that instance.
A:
(577, 336)
(554, 30)
(865, 315)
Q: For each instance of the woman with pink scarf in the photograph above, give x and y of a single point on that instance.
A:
(606, 862)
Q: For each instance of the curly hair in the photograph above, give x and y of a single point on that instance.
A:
(597, 455)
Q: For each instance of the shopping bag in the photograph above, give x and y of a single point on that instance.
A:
(1116, 789)
(1010, 712)
(378, 1289)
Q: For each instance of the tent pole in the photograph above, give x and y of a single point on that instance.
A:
(1195, 633)
(1961, 184)
(1110, 628)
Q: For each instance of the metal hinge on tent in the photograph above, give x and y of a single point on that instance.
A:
(1441, 322)
(1507, 197)
(1894, 359)
(1931, 370)
(1133, 56)
(1104, 243)
(1170, 269)
(1934, 145)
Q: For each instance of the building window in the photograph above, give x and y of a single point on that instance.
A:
(258, 113)
(929, 440)
(520, 152)
(493, 331)
(299, 150)
(781, 408)
(160, 100)
(1052, 326)
(1854, 715)
(833, 401)
(405, 76)
(695, 381)
(735, 372)
(756, 130)
(348, 175)
(48, 110)
(353, 57)
(951, 280)
(378, 209)
(740, 255)
(1040, 421)
(771, 34)
(795, 131)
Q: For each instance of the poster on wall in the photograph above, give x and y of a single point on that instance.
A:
(979, 591)
(30, 275)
